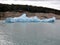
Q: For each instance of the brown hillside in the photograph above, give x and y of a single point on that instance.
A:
(17, 10)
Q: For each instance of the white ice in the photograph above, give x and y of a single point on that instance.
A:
(24, 18)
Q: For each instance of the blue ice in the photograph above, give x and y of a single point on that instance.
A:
(24, 18)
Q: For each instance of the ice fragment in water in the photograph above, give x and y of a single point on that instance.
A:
(24, 18)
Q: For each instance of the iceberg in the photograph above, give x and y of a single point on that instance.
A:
(24, 18)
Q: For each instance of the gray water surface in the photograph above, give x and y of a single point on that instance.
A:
(30, 33)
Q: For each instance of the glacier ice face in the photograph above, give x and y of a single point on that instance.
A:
(24, 18)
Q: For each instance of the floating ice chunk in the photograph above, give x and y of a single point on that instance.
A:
(24, 18)
(49, 20)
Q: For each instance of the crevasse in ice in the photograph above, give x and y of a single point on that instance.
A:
(24, 18)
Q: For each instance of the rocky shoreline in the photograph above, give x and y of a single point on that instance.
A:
(7, 10)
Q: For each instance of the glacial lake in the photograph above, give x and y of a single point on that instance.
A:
(30, 33)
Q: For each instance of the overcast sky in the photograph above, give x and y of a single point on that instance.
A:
(31, 0)
(51, 4)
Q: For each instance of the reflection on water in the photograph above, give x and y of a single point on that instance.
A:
(30, 33)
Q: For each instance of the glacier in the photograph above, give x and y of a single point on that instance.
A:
(24, 18)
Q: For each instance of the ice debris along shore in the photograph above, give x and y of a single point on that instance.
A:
(24, 18)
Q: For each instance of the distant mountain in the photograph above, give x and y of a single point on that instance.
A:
(12, 10)
(29, 8)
